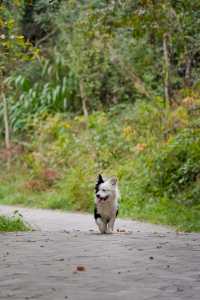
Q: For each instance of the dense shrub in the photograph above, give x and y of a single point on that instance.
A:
(13, 223)
(175, 168)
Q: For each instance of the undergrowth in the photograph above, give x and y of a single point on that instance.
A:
(153, 150)
(13, 223)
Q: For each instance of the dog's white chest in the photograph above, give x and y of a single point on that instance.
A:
(107, 209)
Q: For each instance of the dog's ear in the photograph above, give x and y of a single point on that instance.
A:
(113, 180)
(99, 181)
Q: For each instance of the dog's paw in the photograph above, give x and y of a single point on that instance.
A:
(109, 231)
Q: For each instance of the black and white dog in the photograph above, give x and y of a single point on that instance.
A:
(106, 203)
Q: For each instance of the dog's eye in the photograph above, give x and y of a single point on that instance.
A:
(103, 190)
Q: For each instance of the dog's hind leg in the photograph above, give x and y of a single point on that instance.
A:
(102, 226)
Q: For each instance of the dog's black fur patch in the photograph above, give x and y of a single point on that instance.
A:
(117, 212)
(96, 214)
(99, 181)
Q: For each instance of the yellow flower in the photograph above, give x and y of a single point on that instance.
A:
(140, 147)
(188, 101)
(20, 37)
(128, 132)
(79, 119)
(66, 125)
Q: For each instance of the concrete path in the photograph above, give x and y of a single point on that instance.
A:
(66, 258)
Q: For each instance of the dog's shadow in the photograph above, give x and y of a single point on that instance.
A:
(115, 233)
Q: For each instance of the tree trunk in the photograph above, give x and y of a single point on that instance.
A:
(166, 68)
(6, 122)
(188, 72)
(7, 129)
(84, 100)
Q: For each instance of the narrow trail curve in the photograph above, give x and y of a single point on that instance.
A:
(55, 220)
(141, 262)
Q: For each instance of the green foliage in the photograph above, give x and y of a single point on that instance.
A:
(14, 223)
(105, 54)
(176, 169)
(13, 47)
(104, 60)
(153, 152)
(30, 101)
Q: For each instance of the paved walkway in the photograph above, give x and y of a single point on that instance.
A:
(65, 258)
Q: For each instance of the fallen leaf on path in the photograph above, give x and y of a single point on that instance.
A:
(80, 268)
(121, 230)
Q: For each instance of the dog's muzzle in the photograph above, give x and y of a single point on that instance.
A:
(101, 198)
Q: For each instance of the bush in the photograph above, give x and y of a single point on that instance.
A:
(175, 169)
(14, 223)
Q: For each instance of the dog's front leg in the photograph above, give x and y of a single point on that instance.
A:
(111, 225)
(102, 226)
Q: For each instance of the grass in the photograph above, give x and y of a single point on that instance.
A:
(14, 223)
(177, 216)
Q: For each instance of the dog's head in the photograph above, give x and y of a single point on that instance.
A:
(106, 188)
